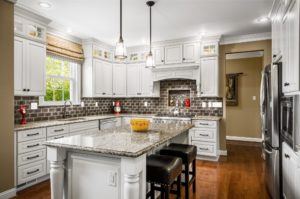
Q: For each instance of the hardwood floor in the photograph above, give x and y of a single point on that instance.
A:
(240, 175)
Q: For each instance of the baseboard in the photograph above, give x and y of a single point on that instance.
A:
(8, 193)
(223, 152)
(244, 139)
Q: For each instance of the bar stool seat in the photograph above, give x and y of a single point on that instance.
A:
(188, 155)
(163, 170)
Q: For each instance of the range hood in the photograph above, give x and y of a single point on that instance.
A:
(180, 71)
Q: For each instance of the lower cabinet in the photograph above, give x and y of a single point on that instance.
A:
(205, 136)
(290, 172)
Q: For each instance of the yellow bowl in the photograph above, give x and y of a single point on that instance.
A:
(139, 125)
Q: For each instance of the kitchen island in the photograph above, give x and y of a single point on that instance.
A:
(107, 164)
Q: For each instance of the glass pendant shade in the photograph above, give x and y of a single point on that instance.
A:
(150, 61)
(120, 52)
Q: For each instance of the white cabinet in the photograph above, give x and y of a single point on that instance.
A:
(146, 85)
(119, 80)
(209, 48)
(133, 80)
(290, 172)
(29, 67)
(205, 135)
(209, 72)
(102, 78)
(173, 54)
(290, 48)
(190, 52)
(159, 55)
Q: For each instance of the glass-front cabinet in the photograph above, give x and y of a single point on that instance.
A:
(209, 49)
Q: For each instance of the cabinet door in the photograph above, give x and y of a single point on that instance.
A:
(285, 56)
(19, 60)
(209, 77)
(102, 78)
(173, 54)
(119, 80)
(133, 80)
(146, 82)
(159, 55)
(35, 68)
(189, 52)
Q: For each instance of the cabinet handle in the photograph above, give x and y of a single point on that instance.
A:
(286, 84)
(103, 93)
(286, 156)
(31, 172)
(206, 135)
(274, 56)
(162, 60)
(58, 130)
(24, 89)
(28, 90)
(206, 149)
(58, 137)
(32, 157)
(34, 145)
(32, 134)
(114, 93)
(183, 59)
(205, 124)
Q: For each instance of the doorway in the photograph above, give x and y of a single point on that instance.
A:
(243, 77)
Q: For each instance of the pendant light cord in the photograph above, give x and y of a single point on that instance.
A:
(121, 36)
(150, 28)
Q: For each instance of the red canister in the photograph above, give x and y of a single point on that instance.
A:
(187, 102)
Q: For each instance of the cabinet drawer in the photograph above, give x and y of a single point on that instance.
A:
(58, 136)
(205, 124)
(204, 134)
(205, 148)
(57, 130)
(84, 126)
(29, 146)
(34, 156)
(95, 130)
(31, 171)
(31, 134)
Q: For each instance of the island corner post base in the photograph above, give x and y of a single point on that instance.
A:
(132, 177)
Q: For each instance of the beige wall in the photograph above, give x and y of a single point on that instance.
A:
(243, 120)
(6, 97)
(264, 45)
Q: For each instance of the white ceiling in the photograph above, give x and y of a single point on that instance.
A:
(172, 19)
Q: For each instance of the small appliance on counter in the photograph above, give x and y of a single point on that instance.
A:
(22, 110)
(117, 107)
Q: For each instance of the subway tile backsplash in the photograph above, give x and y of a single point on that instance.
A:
(129, 105)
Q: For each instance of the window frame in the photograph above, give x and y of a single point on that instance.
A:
(76, 92)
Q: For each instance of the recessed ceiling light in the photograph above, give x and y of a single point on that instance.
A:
(262, 20)
(45, 4)
(69, 30)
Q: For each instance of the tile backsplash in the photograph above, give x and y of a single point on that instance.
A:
(129, 105)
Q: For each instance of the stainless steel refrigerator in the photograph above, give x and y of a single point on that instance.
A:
(270, 115)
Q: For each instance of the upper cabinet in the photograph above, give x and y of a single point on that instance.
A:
(173, 54)
(119, 80)
(159, 55)
(209, 77)
(190, 52)
(102, 78)
(29, 67)
(209, 48)
(285, 42)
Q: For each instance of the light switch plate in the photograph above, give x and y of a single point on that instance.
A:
(204, 104)
(96, 104)
(82, 104)
(254, 98)
(33, 105)
(145, 104)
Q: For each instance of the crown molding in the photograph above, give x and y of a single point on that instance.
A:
(245, 38)
(11, 1)
(66, 36)
(25, 12)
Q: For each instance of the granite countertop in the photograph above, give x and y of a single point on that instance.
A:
(122, 141)
(212, 118)
(42, 124)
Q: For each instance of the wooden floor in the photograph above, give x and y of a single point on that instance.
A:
(240, 175)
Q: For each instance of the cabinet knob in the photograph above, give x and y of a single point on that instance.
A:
(274, 56)
(286, 84)
(114, 93)
(286, 155)
(162, 60)
(28, 90)
(183, 59)
(24, 89)
(103, 93)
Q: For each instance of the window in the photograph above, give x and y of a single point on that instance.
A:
(62, 81)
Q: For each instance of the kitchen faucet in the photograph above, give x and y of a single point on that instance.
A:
(65, 108)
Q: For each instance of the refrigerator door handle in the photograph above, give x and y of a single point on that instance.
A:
(265, 149)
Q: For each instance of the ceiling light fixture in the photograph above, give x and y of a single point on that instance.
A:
(120, 52)
(45, 4)
(149, 59)
(263, 20)
(69, 30)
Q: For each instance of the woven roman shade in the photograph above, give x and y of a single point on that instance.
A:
(65, 48)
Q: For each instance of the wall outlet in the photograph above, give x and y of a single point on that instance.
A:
(203, 104)
(217, 104)
(254, 98)
(96, 104)
(82, 104)
(209, 104)
(33, 106)
(145, 104)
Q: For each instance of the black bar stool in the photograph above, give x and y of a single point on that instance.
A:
(188, 155)
(163, 170)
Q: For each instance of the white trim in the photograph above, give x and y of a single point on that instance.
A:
(245, 38)
(223, 152)
(244, 55)
(245, 139)
(8, 193)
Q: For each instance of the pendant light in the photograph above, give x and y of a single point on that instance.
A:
(149, 59)
(120, 52)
